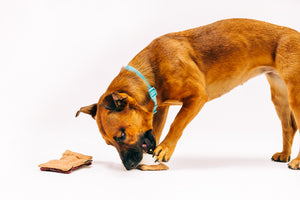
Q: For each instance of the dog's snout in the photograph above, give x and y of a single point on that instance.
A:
(129, 164)
(131, 158)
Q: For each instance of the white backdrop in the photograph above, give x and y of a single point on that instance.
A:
(59, 55)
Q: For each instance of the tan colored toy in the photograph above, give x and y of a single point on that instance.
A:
(67, 163)
(158, 167)
(149, 163)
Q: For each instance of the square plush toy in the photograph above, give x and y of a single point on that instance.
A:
(67, 163)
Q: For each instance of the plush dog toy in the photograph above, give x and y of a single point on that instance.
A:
(72, 160)
(67, 163)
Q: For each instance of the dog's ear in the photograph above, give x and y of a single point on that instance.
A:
(90, 110)
(115, 101)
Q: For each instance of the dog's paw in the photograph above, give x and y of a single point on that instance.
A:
(281, 157)
(163, 153)
(294, 164)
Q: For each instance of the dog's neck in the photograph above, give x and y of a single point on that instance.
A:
(142, 63)
(130, 83)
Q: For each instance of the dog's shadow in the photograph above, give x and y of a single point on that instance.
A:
(200, 162)
(110, 165)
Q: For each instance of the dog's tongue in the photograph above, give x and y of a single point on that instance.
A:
(145, 147)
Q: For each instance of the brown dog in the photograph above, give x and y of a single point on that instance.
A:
(191, 68)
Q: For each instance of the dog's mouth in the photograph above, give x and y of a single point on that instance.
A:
(132, 155)
(149, 142)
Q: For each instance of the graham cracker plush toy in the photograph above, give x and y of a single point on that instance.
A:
(149, 163)
(67, 163)
(158, 167)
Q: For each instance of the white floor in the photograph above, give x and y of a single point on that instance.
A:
(57, 56)
(209, 163)
(213, 168)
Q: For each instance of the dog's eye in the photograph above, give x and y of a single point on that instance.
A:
(122, 137)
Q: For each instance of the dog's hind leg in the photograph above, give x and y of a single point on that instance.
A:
(294, 100)
(285, 114)
(295, 164)
(288, 65)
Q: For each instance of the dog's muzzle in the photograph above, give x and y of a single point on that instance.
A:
(132, 155)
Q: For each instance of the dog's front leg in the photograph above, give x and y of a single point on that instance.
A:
(188, 111)
(159, 121)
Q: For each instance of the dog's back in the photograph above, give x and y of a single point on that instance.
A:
(227, 52)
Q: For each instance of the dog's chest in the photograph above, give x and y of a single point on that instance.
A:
(225, 83)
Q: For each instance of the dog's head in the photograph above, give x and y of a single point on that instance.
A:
(124, 124)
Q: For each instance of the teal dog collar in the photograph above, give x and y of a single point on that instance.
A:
(152, 91)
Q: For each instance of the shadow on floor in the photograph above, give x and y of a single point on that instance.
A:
(198, 162)
(110, 165)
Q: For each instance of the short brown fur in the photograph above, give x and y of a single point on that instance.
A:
(195, 66)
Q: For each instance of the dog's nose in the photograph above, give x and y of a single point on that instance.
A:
(131, 157)
(129, 164)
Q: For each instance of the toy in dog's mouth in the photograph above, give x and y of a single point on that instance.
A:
(149, 142)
